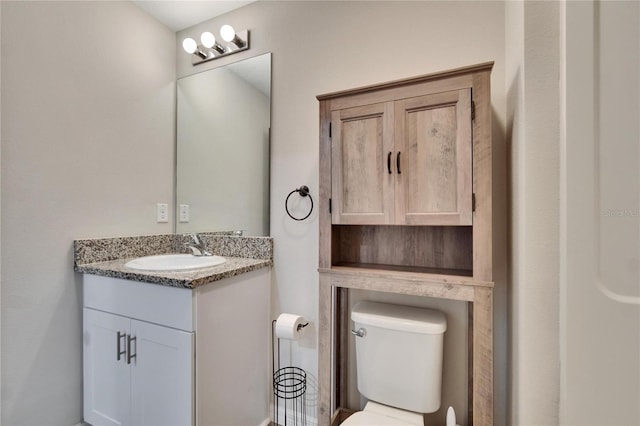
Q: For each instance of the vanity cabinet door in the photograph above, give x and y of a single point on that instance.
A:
(433, 140)
(107, 391)
(362, 165)
(136, 373)
(162, 384)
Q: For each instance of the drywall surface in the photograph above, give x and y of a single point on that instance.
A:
(532, 57)
(88, 92)
(321, 47)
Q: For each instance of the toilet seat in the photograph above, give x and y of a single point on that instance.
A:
(375, 414)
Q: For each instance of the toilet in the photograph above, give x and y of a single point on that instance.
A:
(399, 363)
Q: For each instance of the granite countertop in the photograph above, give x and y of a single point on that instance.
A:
(107, 257)
(183, 279)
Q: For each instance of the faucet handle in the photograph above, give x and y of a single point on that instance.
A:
(196, 246)
(195, 238)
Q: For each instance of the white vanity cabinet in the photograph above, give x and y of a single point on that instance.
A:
(160, 355)
(138, 353)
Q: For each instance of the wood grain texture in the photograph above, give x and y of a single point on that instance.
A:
(324, 190)
(325, 350)
(411, 283)
(445, 247)
(433, 133)
(394, 93)
(483, 356)
(342, 346)
(362, 187)
(482, 178)
(470, 364)
(429, 137)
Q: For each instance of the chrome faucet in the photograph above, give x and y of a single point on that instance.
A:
(196, 246)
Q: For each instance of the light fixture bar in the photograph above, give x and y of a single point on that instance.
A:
(221, 49)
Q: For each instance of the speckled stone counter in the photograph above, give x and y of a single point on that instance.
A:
(107, 257)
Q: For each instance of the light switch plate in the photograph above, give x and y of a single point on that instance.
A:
(162, 212)
(184, 213)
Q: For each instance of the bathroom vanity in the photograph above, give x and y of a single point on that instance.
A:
(160, 347)
(405, 207)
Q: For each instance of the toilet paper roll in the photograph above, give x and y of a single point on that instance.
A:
(290, 326)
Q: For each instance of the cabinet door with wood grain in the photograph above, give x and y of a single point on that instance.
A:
(362, 170)
(434, 158)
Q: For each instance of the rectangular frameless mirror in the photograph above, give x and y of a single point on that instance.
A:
(222, 148)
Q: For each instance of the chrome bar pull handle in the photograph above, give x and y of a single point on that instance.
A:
(361, 332)
(120, 351)
(130, 354)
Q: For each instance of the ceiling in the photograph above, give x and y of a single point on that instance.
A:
(181, 14)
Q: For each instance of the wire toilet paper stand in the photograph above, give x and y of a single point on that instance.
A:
(289, 386)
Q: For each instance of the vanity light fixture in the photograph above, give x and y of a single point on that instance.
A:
(209, 41)
(190, 46)
(210, 48)
(229, 35)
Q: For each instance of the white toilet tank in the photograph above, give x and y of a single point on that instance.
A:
(399, 356)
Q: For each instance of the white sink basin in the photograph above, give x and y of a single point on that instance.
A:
(174, 262)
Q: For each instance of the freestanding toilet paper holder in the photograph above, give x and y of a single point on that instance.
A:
(289, 386)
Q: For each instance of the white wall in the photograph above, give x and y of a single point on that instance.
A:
(320, 47)
(532, 58)
(87, 150)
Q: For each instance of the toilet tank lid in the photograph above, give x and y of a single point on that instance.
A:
(398, 317)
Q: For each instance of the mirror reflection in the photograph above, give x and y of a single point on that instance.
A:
(223, 122)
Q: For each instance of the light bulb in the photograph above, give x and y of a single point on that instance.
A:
(227, 33)
(189, 45)
(208, 39)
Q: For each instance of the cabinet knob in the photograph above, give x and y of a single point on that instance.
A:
(389, 162)
(398, 162)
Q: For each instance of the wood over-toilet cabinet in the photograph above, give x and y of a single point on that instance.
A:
(406, 207)
(404, 162)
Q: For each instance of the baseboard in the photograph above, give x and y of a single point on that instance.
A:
(266, 422)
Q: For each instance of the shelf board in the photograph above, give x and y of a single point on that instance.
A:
(403, 281)
(405, 268)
